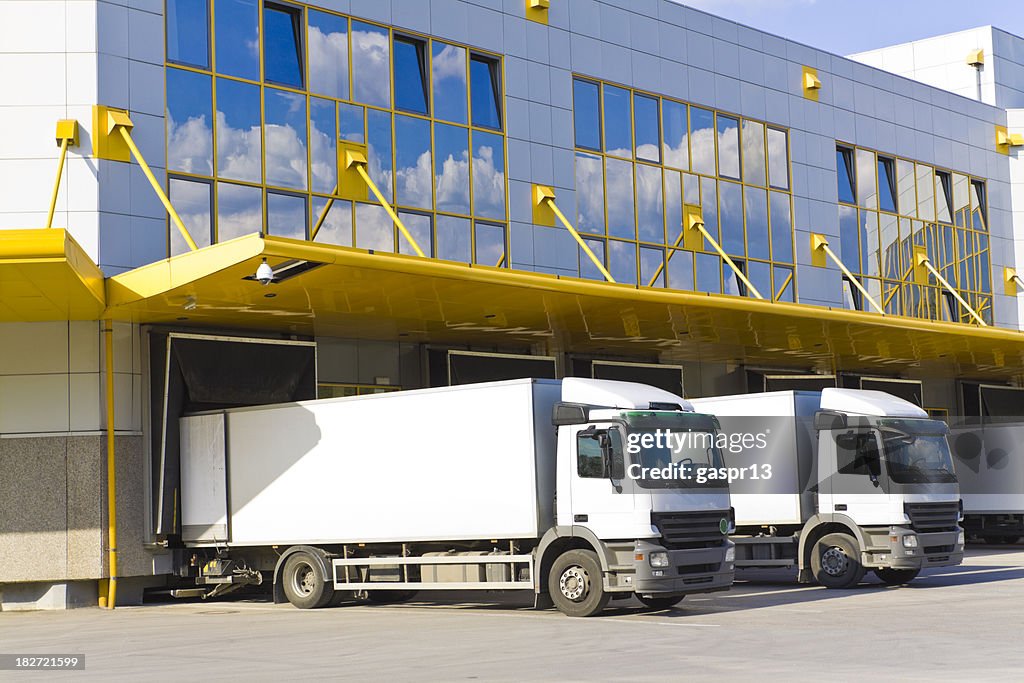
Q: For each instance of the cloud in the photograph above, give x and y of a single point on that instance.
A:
(286, 157)
(323, 159)
(239, 211)
(651, 218)
(328, 62)
(374, 228)
(450, 63)
(412, 183)
(190, 145)
(488, 183)
(589, 194)
(238, 151)
(371, 67)
(453, 184)
(192, 202)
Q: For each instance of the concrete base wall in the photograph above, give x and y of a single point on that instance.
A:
(53, 518)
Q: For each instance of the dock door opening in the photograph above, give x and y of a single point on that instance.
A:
(193, 373)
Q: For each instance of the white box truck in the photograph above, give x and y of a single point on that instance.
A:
(991, 473)
(838, 482)
(508, 485)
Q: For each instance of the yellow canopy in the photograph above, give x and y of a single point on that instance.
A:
(46, 275)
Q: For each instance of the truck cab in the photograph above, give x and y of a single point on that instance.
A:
(885, 472)
(839, 482)
(625, 484)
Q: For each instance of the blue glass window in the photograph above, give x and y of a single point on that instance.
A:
(451, 168)
(676, 146)
(188, 32)
(490, 245)
(849, 246)
(285, 138)
(282, 45)
(886, 185)
(371, 66)
(488, 175)
(378, 140)
(194, 203)
(238, 29)
(323, 148)
(485, 89)
(413, 167)
(286, 215)
(350, 123)
(448, 68)
(708, 273)
(328, 54)
(189, 122)
(648, 142)
(755, 206)
(728, 147)
(586, 114)
(680, 269)
(731, 208)
(410, 75)
(782, 227)
(453, 239)
(618, 123)
(702, 140)
(845, 174)
(239, 211)
(622, 261)
(239, 138)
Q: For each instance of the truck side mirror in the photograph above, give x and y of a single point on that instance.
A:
(828, 420)
(613, 461)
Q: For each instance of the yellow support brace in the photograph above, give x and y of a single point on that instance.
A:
(67, 136)
(820, 249)
(697, 223)
(1011, 281)
(921, 259)
(544, 198)
(118, 121)
(357, 160)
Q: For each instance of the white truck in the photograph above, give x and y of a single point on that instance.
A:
(514, 485)
(837, 482)
(991, 473)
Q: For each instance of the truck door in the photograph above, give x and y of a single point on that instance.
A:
(856, 483)
(602, 496)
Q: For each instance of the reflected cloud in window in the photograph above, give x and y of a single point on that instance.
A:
(676, 144)
(328, 54)
(618, 126)
(286, 138)
(453, 239)
(371, 64)
(702, 140)
(286, 215)
(374, 229)
(378, 156)
(239, 211)
(189, 122)
(619, 180)
(589, 194)
(323, 149)
(192, 200)
(650, 214)
(448, 69)
(451, 168)
(490, 245)
(239, 134)
(412, 156)
(336, 227)
(488, 175)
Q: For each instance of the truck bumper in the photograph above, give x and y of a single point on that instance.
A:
(701, 570)
(935, 549)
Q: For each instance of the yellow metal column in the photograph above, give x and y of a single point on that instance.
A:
(108, 589)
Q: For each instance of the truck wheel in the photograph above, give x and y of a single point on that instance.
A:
(1010, 540)
(305, 585)
(897, 577)
(576, 585)
(389, 597)
(661, 601)
(835, 561)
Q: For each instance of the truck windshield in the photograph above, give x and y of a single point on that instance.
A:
(673, 450)
(916, 451)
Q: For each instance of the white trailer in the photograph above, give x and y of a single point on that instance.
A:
(499, 486)
(991, 473)
(837, 482)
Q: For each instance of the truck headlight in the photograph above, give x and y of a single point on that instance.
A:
(658, 559)
(960, 538)
(730, 554)
(910, 541)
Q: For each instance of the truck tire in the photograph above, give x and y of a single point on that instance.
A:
(897, 577)
(835, 561)
(1011, 540)
(304, 582)
(661, 601)
(389, 597)
(576, 585)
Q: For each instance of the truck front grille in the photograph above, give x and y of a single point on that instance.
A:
(929, 517)
(690, 530)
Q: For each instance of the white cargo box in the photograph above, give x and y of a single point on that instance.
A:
(453, 463)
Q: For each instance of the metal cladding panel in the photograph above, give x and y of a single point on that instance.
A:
(450, 463)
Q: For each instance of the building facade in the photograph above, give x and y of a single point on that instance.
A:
(749, 214)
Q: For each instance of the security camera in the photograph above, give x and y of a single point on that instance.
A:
(265, 274)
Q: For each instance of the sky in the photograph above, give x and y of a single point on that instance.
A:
(848, 26)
